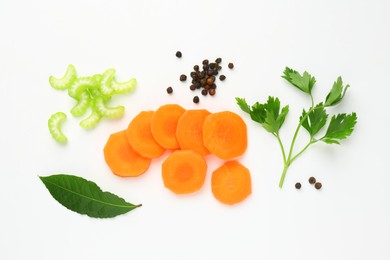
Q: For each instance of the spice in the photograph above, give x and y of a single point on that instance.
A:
(218, 60)
(230, 65)
(192, 87)
(196, 99)
(298, 185)
(312, 180)
(212, 92)
(204, 92)
(183, 77)
(318, 185)
(169, 90)
(222, 77)
(178, 54)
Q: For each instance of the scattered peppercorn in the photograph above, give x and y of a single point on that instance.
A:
(230, 65)
(312, 180)
(212, 91)
(178, 54)
(219, 60)
(204, 92)
(222, 77)
(183, 77)
(196, 68)
(318, 185)
(298, 185)
(196, 99)
(169, 90)
(192, 87)
(205, 62)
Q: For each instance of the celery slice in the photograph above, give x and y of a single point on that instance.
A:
(80, 85)
(66, 81)
(54, 127)
(123, 87)
(107, 77)
(82, 105)
(92, 120)
(109, 112)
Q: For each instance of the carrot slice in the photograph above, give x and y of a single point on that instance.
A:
(231, 183)
(140, 136)
(164, 123)
(184, 171)
(225, 135)
(189, 132)
(121, 157)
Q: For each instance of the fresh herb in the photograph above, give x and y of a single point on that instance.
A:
(85, 197)
(271, 116)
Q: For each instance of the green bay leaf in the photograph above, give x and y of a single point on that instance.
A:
(85, 197)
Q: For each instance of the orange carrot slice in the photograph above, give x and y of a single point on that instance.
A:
(225, 134)
(189, 132)
(140, 136)
(164, 123)
(231, 183)
(121, 157)
(184, 171)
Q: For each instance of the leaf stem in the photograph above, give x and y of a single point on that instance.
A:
(281, 147)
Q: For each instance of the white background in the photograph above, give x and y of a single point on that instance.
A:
(347, 219)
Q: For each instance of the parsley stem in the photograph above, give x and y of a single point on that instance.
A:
(282, 148)
(283, 175)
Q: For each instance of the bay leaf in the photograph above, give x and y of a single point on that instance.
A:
(85, 197)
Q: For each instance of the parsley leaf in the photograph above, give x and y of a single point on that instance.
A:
(340, 127)
(304, 82)
(267, 114)
(314, 120)
(336, 94)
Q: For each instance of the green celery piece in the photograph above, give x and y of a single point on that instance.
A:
(54, 123)
(315, 120)
(107, 77)
(83, 103)
(340, 127)
(80, 85)
(66, 81)
(85, 197)
(123, 87)
(336, 94)
(92, 120)
(303, 82)
(108, 112)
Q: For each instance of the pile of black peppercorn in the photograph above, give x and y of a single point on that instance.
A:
(203, 77)
(312, 180)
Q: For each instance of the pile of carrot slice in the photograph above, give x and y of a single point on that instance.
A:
(191, 135)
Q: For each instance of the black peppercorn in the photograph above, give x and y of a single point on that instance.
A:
(318, 185)
(298, 185)
(212, 91)
(231, 65)
(192, 87)
(312, 180)
(219, 60)
(178, 54)
(183, 77)
(196, 68)
(204, 92)
(222, 77)
(196, 99)
(169, 90)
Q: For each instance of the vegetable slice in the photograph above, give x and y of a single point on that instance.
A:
(121, 157)
(81, 84)
(123, 87)
(189, 131)
(93, 118)
(140, 136)
(54, 127)
(109, 112)
(106, 81)
(85, 197)
(164, 123)
(184, 171)
(225, 135)
(82, 105)
(64, 82)
(231, 183)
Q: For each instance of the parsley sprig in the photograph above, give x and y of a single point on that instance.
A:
(271, 116)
